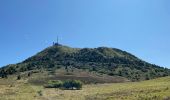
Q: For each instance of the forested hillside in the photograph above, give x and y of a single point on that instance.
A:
(103, 60)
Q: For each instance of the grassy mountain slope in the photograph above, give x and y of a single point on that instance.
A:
(103, 60)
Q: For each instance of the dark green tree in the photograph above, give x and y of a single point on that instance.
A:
(18, 77)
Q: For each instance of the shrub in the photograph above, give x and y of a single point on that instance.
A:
(72, 84)
(54, 84)
(39, 93)
(68, 84)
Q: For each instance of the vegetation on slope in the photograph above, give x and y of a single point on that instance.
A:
(103, 60)
(67, 84)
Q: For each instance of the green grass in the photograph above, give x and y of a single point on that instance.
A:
(157, 89)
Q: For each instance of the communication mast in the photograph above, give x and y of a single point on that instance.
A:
(57, 41)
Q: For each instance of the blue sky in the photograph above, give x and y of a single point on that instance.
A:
(141, 27)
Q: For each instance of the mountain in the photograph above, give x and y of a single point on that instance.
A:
(102, 60)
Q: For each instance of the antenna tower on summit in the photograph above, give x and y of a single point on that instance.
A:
(57, 41)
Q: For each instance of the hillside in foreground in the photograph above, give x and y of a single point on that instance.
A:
(157, 89)
(105, 62)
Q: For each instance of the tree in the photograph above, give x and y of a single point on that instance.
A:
(3, 74)
(94, 68)
(66, 68)
(147, 77)
(18, 77)
(29, 74)
(72, 84)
